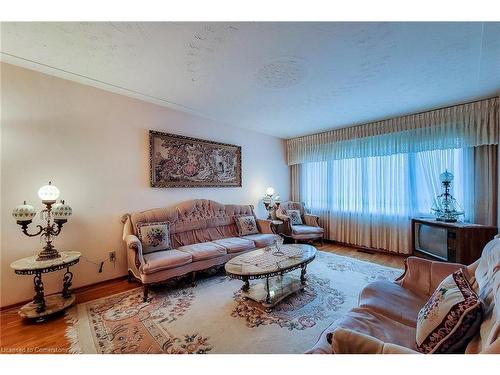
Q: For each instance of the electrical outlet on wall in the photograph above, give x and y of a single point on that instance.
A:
(112, 256)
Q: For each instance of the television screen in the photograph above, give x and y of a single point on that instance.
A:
(432, 240)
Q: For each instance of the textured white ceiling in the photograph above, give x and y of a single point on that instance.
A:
(284, 79)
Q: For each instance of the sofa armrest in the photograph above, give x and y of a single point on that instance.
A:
(347, 341)
(135, 245)
(312, 220)
(264, 226)
(422, 276)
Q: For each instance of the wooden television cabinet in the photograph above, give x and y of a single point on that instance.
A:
(464, 241)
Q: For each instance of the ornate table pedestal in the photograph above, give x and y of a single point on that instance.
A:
(274, 266)
(42, 306)
(275, 224)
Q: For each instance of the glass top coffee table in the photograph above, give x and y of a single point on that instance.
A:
(274, 266)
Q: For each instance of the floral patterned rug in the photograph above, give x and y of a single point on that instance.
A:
(212, 317)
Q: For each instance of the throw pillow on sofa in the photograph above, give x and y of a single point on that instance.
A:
(154, 236)
(450, 318)
(295, 218)
(246, 225)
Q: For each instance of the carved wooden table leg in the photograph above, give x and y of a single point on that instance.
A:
(39, 298)
(268, 296)
(246, 286)
(303, 274)
(68, 277)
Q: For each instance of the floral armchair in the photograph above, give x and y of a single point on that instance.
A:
(305, 228)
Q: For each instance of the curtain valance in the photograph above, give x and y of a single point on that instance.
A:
(466, 125)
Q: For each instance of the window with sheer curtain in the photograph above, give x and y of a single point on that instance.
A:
(368, 201)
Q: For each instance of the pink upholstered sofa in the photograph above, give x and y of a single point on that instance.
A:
(203, 234)
(385, 319)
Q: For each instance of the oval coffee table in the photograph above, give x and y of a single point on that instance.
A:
(274, 266)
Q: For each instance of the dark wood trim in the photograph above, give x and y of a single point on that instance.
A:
(74, 291)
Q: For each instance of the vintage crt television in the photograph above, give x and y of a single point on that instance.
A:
(451, 242)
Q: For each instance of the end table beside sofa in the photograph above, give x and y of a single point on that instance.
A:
(43, 306)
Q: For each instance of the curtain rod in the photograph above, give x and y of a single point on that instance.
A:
(408, 114)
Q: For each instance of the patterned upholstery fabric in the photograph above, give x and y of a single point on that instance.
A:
(154, 236)
(294, 216)
(450, 318)
(198, 220)
(246, 225)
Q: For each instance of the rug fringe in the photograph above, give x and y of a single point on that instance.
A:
(71, 334)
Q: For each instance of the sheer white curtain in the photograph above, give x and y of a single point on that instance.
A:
(368, 201)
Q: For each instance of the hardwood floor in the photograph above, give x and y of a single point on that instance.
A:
(384, 259)
(20, 336)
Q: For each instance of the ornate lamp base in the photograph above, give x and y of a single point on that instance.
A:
(48, 253)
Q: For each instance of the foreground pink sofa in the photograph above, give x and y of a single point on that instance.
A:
(203, 234)
(385, 319)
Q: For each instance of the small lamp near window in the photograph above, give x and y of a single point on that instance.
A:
(54, 214)
(446, 208)
(271, 201)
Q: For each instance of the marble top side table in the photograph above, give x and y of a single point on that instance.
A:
(42, 306)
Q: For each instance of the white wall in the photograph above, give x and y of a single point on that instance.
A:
(93, 145)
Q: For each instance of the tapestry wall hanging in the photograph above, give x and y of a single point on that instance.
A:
(178, 161)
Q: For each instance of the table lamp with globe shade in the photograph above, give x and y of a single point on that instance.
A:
(271, 201)
(55, 215)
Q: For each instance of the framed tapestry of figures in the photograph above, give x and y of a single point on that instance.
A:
(178, 161)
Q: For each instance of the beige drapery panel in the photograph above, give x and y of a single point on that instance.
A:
(295, 182)
(485, 185)
(466, 125)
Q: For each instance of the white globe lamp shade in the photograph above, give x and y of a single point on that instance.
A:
(270, 191)
(24, 212)
(48, 193)
(446, 176)
(61, 211)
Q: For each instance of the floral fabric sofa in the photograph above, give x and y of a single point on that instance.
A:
(385, 319)
(203, 234)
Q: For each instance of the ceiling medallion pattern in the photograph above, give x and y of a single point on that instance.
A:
(282, 73)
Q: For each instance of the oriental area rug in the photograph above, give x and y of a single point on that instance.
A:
(213, 317)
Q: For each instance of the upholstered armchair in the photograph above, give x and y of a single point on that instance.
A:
(309, 228)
